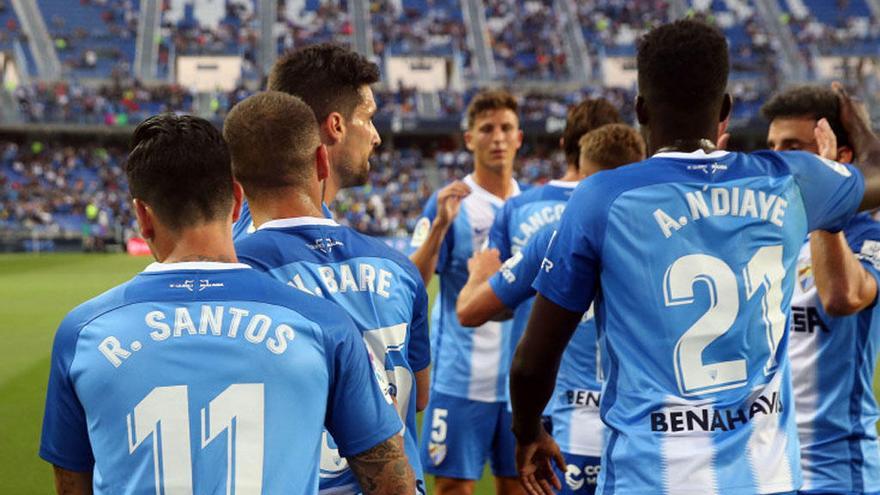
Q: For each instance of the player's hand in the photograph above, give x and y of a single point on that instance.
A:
(825, 140)
(484, 264)
(534, 461)
(854, 117)
(449, 201)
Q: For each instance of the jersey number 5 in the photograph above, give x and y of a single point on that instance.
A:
(763, 270)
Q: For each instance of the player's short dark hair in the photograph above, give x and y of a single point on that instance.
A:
(612, 145)
(807, 101)
(584, 117)
(179, 165)
(683, 66)
(490, 99)
(272, 138)
(326, 76)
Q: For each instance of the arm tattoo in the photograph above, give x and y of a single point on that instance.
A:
(384, 469)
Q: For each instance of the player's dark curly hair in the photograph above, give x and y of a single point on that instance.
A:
(683, 65)
(807, 101)
(584, 117)
(325, 76)
(180, 166)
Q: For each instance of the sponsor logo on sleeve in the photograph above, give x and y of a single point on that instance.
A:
(836, 166)
(509, 265)
(420, 233)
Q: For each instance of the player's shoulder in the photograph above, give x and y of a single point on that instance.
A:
(365, 245)
(795, 163)
(111, 300)
(262, 247)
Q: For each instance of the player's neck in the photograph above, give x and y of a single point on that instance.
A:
(571, 174)
(659, 141)
(207, 242)
(286, 203)
(497, 182)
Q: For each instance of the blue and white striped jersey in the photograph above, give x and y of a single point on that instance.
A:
(832, 367)
(200, 378)
(245, 223)
(574, 407)
(470, 363)
(380, 289)
(690, 259)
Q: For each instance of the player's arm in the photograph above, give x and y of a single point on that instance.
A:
(532, 380)
(384, 469)
(72, 482)
(427, 253)
(477, 302)
(423, 387)
(845, 287)
(360, 416)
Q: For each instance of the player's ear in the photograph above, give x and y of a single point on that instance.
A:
(845, 154)
(468, 140)
(144, 215)
(334, 127)
(519, 140)
(322, 162)
(641, 110)
(726, 107)
(238, 198)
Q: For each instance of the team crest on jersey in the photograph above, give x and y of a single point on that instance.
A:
(325, 244)
(805, 276)
(870, 252)
(437, 452)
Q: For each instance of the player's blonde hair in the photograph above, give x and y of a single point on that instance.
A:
(611, 146)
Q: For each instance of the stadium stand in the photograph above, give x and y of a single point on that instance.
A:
(95, 38)
(527, 41)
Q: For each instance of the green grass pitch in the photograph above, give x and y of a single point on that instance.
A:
(35, 294)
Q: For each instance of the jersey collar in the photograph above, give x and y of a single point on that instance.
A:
(569, 184)
(157, 267)
(495, 200)
(285, 223)
(693, 155)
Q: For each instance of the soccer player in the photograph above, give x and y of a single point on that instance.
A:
(201, 373)
(835, 330)
(534, 210)
(467, 420)
(690, 259)
(335, 82)
(278, 157)
(574, 409)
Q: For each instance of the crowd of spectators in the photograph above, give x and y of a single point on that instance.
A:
(98, 42)
(64, 190)
(526, 39)
(116, 104)
(70, 191)
(424, 27)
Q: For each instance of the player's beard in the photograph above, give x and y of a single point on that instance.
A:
(354, 175)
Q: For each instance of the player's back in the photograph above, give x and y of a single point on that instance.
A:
(833, 361)
(380, 289)
(189, 375)
(696, 254)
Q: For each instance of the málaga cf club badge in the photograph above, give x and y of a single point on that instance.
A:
(437, 452)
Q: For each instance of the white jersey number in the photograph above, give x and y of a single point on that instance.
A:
(164, 415)
(763, 270)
